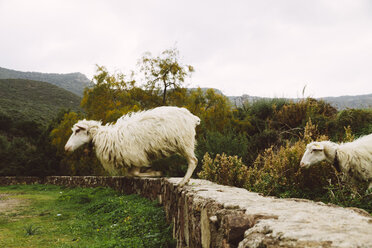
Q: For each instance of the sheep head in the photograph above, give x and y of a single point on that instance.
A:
(82, 133)
(314, 154)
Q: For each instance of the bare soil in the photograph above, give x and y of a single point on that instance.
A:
(8, 204)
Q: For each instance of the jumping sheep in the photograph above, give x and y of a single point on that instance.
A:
(138, 138)
(352, 158)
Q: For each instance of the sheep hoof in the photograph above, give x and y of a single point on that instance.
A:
(182, 183)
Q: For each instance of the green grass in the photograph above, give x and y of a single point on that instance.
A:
(51, 216)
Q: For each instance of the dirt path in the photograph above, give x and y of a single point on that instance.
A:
(9, 204)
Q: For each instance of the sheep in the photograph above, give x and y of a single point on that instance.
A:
(353, 158)
(138, 138)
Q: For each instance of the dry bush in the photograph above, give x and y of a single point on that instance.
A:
(223, 169)
(277, 171)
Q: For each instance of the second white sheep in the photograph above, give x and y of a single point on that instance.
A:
(352, 158)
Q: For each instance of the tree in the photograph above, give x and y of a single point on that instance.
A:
(164, 71)
(213, 109)
(111, 97)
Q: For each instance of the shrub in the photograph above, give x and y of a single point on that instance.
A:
(217, 143)
(223, 169)
(30, 229)
(359, 121)
(277, 171)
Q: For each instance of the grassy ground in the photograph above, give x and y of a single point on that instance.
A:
(51, 216)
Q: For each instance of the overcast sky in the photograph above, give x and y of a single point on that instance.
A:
(262, 48)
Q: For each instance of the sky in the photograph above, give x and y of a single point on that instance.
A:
(271, 48)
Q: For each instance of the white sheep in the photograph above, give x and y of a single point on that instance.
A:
(352, 158)
(138, 138)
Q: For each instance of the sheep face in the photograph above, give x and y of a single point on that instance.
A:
(314, 154)
(80, 136)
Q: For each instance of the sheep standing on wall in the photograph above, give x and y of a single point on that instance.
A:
(352, 158)
(138, 138)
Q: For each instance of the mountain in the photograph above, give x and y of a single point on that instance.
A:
(343, 102)
(28, 100)
(73, 82)
(340, 102)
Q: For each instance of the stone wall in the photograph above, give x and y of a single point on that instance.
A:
(205, 214)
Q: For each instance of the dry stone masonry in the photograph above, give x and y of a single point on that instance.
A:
(206, 214)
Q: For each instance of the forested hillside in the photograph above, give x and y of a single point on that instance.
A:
(27, 100)
(73, 82)
(28, 110)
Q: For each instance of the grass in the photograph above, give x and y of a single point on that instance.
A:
(51, 216)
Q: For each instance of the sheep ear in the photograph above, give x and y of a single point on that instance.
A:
(81, 127)
(318, 147)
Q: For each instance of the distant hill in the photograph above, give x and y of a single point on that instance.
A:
(29, 100)
(343, 102)
(77, 82)
(340, 102)
(73, 82)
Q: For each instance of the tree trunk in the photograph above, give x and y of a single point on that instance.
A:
(164, 94)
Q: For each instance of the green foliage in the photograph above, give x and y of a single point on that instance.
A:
(213, 109)
(173, 166)
(229, 143)
(111, 97)
(15, 154)
(359, 121)
(24, 153)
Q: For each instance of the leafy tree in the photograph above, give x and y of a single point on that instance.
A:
(164, 72)
(213, 109)
(111, 96)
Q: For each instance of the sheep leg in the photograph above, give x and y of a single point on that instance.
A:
(137, 173)
(192, 162)
(369, 189)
